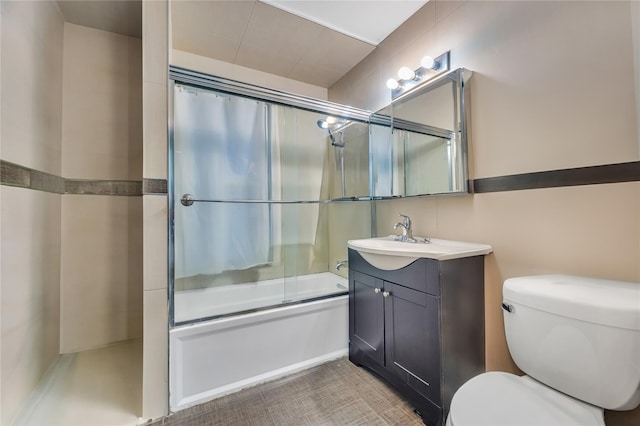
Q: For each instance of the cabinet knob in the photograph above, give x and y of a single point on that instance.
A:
(377, 290)
(386, 293)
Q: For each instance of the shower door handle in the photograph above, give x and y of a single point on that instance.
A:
(187, 200)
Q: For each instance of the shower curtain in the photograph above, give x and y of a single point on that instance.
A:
(221, 152)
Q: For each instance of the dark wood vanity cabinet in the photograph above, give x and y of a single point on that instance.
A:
(421, 327)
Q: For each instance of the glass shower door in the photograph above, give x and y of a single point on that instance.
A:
(255, 234)
(221, 153)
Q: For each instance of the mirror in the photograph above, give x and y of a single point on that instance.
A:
(418, 143)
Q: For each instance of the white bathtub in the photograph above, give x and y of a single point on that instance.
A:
(220, 356)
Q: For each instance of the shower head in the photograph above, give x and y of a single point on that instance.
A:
(325, 124)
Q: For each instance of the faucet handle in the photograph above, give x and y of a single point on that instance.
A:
(406, 220)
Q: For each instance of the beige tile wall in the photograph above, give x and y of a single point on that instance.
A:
(237, 72)
(134, 50)
(544, 96)
(30, 293)
(347, 221)
(31, 74)
(155, 60)
(71, 266)
(102, 75)
(101, 283)
(32, 85)
(635, 28)
(101, 287)
(155, 382)
(154, 88)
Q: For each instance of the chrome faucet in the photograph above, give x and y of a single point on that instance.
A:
(405, 226)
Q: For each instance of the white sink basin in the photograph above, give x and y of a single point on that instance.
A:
(388, 254)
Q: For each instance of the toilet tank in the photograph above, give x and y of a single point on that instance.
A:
(578, 335)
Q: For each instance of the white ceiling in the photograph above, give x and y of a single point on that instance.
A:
(366, 20)
(116, 16)
(313, 41)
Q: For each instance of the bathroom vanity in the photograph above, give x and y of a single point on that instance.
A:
(418, 321)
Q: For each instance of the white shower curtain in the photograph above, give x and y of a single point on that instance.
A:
(221, 152)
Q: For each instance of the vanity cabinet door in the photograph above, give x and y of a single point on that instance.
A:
(366, 315)
(412, 333)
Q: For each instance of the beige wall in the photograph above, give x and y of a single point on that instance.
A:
(32, 84)
(31, 73)
(247, 75)
(101, 127)
(545, 95)
(71, 275)
(635, 27)
(155, 60)
(101, 296)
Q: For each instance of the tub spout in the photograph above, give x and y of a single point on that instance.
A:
(340, 264)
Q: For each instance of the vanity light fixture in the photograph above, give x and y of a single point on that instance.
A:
(405, 73)
(392, 84)
(408, 79)
(428, 63)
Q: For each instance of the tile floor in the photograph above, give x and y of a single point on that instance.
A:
(335, 393)
(97, 387)
(103, 387)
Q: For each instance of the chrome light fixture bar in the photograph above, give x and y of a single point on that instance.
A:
(408, 79)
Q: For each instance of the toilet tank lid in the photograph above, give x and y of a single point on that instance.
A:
(599, 301)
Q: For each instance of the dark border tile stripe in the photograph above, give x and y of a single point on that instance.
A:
(609, 173)
(15, 175)
(154, 186)
(128, 188)
(46, 182)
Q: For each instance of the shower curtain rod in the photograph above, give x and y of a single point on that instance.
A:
(188, 200)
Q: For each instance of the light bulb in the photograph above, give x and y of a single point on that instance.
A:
(428, 62)
(405, 73)
(331, 120)
(392, 84)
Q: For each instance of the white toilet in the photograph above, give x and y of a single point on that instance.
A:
(578, 341)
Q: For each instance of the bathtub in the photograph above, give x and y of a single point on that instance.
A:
(212, 358)
(193, 305)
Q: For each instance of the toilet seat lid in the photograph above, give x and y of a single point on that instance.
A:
(504, 399)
